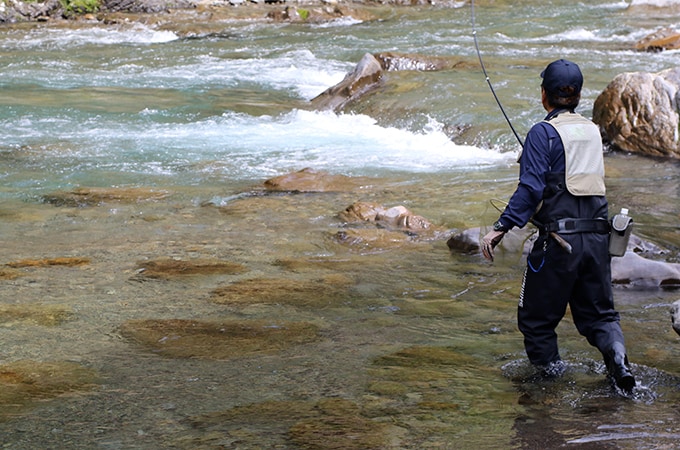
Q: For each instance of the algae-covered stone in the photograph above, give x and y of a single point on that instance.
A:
(310, 180)
(24, 383)
(331, 289)
(340, 425)
(169, 268)
(93, 196)
(68, 261)
(46, 315)
(327, 423)
(178, 338)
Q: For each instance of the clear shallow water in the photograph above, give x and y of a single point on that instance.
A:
(212, 116)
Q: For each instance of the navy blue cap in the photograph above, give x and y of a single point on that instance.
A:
(561, 74)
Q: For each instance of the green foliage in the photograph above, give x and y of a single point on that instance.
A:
(74, 7)
(304, 13)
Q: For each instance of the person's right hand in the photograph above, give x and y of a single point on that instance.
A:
(490, 241)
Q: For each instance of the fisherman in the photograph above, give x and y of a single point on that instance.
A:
(561, 190)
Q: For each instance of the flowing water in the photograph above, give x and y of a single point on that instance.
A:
(416, 347)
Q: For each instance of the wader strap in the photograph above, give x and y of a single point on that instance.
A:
(569, 226)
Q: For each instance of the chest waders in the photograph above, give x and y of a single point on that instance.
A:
(574, 206)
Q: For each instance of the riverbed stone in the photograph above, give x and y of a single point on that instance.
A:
(370, 240)
(25, 384)
(328, 423)
(95, 196)
(633, 270)
(39, 314)
(365, 77)
(311, 180)
(167, 268)
(517, 240)
(340, 425)
(68, 261)
(663, 39)
(392, 61)
(9, 274)
(217, 340)
(389, 217)
(675, 316)
(638, 113)
(332, 289)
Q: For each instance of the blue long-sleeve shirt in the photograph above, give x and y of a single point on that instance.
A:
(543, 152)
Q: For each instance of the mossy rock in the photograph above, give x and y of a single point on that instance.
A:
(328, 290)
(83, 196)
(9, 274)
(47, 262)
(329, 423)
(45, 315)
(310, 180)
(25, 383)
(177, 338)
(166, 268)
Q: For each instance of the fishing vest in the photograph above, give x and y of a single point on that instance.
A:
(584, 164)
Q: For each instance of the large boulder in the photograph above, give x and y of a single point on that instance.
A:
(675, 316)
(637, 112)
(662, 39)
(365, 77)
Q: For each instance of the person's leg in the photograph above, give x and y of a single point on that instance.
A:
(543, 301)
(592, 307)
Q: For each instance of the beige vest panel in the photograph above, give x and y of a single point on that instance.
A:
(583, 157)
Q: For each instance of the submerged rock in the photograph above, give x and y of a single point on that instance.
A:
(310, 180)
(638, 112)
(24, 384)
(331, 289)
(45, 315)
(218, 340)
(96, 196)
(45, 262)
(340, 425)
(328, 423)
(634, 270)
(372, 240)
(394, 217)
(168, 268)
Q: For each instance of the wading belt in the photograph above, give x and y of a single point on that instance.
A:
(569, 226)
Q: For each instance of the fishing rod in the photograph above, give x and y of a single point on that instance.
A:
(488, 80)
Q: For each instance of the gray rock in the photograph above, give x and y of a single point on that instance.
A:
(365, 77)
(638, 112)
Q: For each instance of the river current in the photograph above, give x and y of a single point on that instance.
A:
(409, 346)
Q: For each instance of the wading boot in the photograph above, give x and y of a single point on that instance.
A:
(618, 367)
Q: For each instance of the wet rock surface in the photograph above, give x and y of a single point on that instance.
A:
(637, 112)
(168, 268)
(219, 340)
(85, 196)
(26, 383)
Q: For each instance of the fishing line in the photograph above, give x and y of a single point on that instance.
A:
(488, 80)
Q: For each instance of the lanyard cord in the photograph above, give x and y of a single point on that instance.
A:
(488, 81)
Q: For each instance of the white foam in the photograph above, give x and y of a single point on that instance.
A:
(659, 3)
(50, 38)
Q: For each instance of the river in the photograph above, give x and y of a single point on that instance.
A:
(353, 346)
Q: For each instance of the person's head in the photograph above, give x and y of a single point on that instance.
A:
(562, 82)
